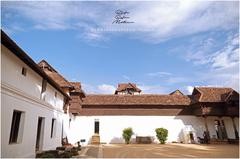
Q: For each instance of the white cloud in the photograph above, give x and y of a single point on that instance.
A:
(163, 20)
(89, 89)
(221, 66)
(126, 77)
(99, 89)
(189, 89)
(110, 89)
(159, 74)
(106, 89)
(224, 65)
(199, 49)
(173, 80)
(153, 89)
(228, 56)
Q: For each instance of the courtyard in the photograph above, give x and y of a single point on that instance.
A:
(159, 151)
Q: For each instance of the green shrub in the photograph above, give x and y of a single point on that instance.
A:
(161, 134)
(127, 134)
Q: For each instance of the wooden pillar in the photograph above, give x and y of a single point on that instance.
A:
(206, 127)
(205, 122)
(235, 128)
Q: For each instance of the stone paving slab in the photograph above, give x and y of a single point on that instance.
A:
(170, 150)
(91, 151)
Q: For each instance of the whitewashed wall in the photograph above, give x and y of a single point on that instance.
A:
(22, 93)
(50, 97)
(11, 72)
(32, 110)
(111, 127)
(31, 84)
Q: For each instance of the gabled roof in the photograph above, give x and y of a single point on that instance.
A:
(125, 86)
(213, 94)
(150, 99)
(232, 96)
(177, 92)
(51, 72)
(17, 51)
(77, 88)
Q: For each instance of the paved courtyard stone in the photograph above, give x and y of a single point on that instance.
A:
(169, 150)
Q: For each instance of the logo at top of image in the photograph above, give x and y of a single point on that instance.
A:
(121, 17)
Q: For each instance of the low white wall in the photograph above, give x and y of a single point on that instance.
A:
(82, 127)
(111, 127)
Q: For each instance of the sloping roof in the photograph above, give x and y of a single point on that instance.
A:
(136, 100)
(233, 95)
(51, 72)
(17, 51)
(213, 94)
(77, 88)
(177, 92)
(135, 112)
(124, 86)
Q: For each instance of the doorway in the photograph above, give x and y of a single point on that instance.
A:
(96, 127)
(40, 131)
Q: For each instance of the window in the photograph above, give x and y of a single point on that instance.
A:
(16, 126)
(70, 123)
(24, 71)
(53, 131)
(44, 87)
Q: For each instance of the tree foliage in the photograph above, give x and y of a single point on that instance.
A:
(127, 134)
(161, 134)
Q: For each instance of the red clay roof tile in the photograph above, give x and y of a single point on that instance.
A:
(136, 100)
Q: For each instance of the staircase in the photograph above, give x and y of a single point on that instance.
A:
(95, 139)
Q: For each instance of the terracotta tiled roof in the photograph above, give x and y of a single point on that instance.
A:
(124, 86)
(136, 100)
(233, 95)
(177, 92)
(77, 86)
(77, 89)
(51, 72)
(213, 94)
(135, 112)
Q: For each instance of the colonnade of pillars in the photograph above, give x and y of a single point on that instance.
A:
(207, 130)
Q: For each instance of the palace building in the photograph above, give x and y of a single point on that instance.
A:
(40, 108)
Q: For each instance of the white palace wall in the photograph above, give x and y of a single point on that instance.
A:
(23, 93)
(110, 131)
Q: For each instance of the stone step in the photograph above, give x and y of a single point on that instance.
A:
(95, 139)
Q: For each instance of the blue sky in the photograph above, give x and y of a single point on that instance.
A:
(170, 45)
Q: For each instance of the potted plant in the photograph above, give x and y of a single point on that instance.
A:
(127, 134)
(161, 134)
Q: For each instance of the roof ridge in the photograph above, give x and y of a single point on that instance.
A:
(54, 71)
(43, 60)
(214, 87)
